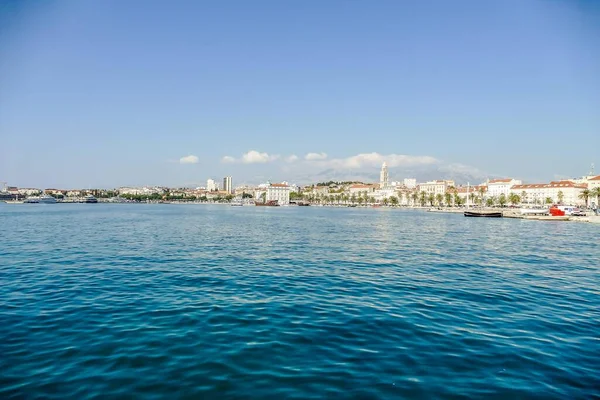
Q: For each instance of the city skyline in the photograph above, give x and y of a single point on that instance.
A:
(129, 94)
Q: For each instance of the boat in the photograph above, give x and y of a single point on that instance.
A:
(303, 204)
(270, 203)
(561, 211)
(90, 199)
(483, 213)
(46, 199)
(480, 213)
(43, 199)
(534, 211)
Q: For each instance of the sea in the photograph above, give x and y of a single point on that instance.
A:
(165, 301)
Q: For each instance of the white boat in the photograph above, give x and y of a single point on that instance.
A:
(90, 199)
(237, 202)
(534, 211)
(46, 199)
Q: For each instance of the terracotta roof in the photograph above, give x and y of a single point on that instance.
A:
(282, 185)
(501, 180)
(596, 178)
(529, 186)
(553, 184)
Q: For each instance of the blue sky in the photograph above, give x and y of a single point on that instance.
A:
(110, 93)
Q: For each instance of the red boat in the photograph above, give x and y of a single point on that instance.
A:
(561, 211)
(556, 212)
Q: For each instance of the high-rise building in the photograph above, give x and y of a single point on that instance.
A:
(227, 184)
(383, 176)
(211, 185)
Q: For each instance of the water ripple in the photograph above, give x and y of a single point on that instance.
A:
(152, 301)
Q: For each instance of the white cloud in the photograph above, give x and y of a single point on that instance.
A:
(315, 156)
(292, 158)
(255, 157)
(188, 160)
(376, 159)
(251, 157)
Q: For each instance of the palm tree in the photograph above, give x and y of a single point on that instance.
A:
(523, 196)
(448, 197)
(385, 201)
(372, 199)
(353, 198)
(502, 200)
(585, 195)
(481, 191)
(595, 192)
(394, 201)
(415, 197)
(439, 199)
(360, 200)
(514, 199)
(422, 198)
(457, 200)
(471, 196)
(560, 196)
(548, 200)
(490, 201)
(399, 198)
(431, 199)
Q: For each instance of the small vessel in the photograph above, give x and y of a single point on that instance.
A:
(483, 213)
(270, 203)
(46, 199)
(303, 204)
(43, 199)
(561, 211)
(90, 199)
(534, 211)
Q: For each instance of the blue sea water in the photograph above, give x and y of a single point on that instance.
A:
(198, 301)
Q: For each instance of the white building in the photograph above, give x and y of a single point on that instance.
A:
(410, 183)
(385, 193)
(435, 187)
(211, 185)
(227, 185)
(384, 177)
(360, 189)
(496, 187)
(539, 192)
(279, 192)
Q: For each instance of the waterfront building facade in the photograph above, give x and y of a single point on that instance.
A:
(497, 187)
(279, 192)
(360, 188)
(537, 193)
(436, 187)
